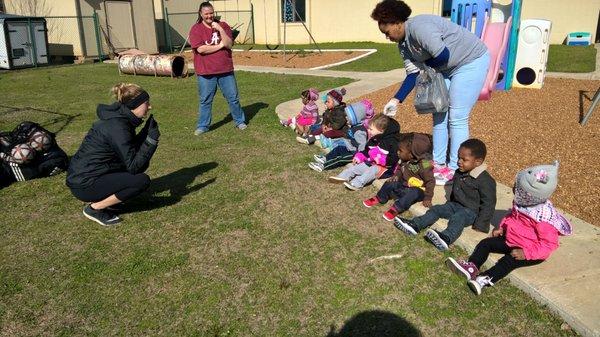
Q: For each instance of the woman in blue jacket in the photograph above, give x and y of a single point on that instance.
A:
(458, 54)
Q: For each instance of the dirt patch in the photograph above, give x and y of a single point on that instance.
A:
(524, 127)
(300, 59)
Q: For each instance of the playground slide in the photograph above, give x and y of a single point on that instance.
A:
(495, 36)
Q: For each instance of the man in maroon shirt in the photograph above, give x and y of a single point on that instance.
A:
(211, 43)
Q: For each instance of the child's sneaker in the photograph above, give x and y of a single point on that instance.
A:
(405, 225)
(371, 202)
(463, 268)
(390, 214)
(444, 178)
(302, 140)
(435, 239)
(316, 166)
(319, 158)
(351, 187)
(336, 180)
(479, 283)
(292, 123)
(284, 122)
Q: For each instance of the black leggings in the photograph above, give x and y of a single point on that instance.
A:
(123, 185)
(505, 265)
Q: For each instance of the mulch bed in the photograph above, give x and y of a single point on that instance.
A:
(524, 127)
(291, 60)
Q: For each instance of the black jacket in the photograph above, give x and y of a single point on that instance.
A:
(111, 145)
(476, 190)
(388, 141)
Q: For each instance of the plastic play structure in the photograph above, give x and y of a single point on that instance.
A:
(498, 26)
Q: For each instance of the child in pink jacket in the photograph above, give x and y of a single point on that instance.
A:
(527, 235)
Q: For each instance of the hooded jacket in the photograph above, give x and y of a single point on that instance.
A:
(111, 145)
(382, 149)
(420, 168)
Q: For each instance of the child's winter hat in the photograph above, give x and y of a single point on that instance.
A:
(313, 94)
(359, 111)
(534, 185)
(337, 95)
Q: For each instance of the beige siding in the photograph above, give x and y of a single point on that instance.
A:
(145, 28)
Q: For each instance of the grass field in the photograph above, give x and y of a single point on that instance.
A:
(561, 58)
(235, 237)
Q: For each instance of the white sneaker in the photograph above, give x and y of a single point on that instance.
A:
(351, 187)
(242, 126)
(336, 180)
(316, 166)
(479, 283)
(319, 158)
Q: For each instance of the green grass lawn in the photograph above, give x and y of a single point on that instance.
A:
(570, 59)
(235, 237)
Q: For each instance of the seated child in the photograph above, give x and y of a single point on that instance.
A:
(308, 116)
(333, 125)
(413, 181)
(357, 117)
(379, 157)
(472, 201)
(526, 236)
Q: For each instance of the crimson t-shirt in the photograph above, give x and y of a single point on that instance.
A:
(218, 62)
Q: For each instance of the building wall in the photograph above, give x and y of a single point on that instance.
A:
(566, 16)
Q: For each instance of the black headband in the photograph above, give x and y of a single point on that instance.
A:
(138, 100)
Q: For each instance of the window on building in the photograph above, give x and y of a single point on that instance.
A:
(293, 10)
(446, 8)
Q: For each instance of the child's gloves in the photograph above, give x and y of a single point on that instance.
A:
(359, 157)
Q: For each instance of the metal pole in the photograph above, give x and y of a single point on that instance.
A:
(595, 101)
(98, 43)
(306, 28)
(252, 18)
(32, 39)
(168, 31)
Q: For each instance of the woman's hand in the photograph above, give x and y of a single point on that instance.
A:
(391, 108)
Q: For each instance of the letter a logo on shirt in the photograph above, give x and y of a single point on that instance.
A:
(215, 39)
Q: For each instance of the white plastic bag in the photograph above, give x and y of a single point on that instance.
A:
(431, 94)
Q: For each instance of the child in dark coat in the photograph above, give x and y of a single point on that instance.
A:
(413, 181)
(378, 159)
(472, 202)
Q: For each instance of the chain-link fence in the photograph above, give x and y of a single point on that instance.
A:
(75, 36)
(177, 26)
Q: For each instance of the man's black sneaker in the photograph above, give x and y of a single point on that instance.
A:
(102, 217)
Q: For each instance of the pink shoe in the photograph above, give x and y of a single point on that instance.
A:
(444, 178)
(439, 169)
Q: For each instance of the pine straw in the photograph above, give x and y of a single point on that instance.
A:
(524, 127)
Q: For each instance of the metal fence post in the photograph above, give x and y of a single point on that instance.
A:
(252, 19)
(33, 48)
(168, 31)
(97, 31)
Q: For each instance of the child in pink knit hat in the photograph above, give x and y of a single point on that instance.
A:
(308, 116)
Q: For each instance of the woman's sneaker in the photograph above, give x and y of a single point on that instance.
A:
(434, 238)
(102, 217)
(319, 158)
(371, 202)
(405, 225)
(479, 283)
(444, 179)
(463, 268)
(316, 166)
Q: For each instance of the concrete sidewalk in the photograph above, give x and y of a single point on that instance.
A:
(567, 283)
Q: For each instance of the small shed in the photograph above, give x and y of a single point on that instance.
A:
(23, 41)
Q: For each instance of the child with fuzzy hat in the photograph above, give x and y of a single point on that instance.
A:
(333, 125)
(309, 114)
(526, 236)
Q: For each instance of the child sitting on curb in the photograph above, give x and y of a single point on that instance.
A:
(334, 120)
(308, 116)
(526, 236)
(413, 181)
(377, 160)
(472, 201)
(357, 119)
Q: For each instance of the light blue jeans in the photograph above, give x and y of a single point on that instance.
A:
(207, 87)
(464, 87)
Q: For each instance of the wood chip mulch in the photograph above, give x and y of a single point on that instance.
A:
(524, 127)
(292, 59)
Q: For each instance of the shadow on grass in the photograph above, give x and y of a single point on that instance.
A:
(249, 110)
(177, 183)
(376, 323)
(56, 122)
